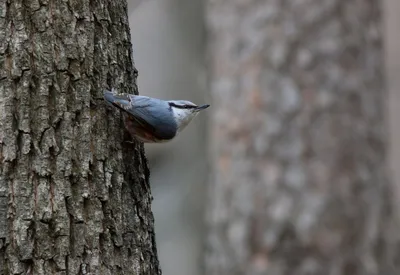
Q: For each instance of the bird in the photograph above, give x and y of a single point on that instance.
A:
(153, 120)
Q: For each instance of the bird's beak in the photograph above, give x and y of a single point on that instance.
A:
(202, 107)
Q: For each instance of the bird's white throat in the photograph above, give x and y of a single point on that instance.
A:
(183, 117)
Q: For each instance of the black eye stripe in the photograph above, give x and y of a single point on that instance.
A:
(181, 106)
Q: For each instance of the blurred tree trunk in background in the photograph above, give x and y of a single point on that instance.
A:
(392, 48)
(72, 200)
(299, 140)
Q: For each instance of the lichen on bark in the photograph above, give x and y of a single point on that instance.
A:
(74, 197)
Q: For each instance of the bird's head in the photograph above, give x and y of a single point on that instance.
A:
(184, 111)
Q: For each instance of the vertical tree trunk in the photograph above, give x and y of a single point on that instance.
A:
(74, 198)
(300, 184)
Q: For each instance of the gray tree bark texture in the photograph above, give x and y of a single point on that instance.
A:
(298, 139)
(74, 197)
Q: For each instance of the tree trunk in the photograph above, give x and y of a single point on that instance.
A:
(299, 139)
(74, 197)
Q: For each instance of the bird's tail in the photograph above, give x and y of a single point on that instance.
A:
(121, 101)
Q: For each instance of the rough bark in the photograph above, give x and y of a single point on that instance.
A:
(74, 198)
(299, 139)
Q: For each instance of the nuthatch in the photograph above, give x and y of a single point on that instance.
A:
(153, 120)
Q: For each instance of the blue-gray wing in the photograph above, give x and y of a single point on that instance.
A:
(153, 115)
